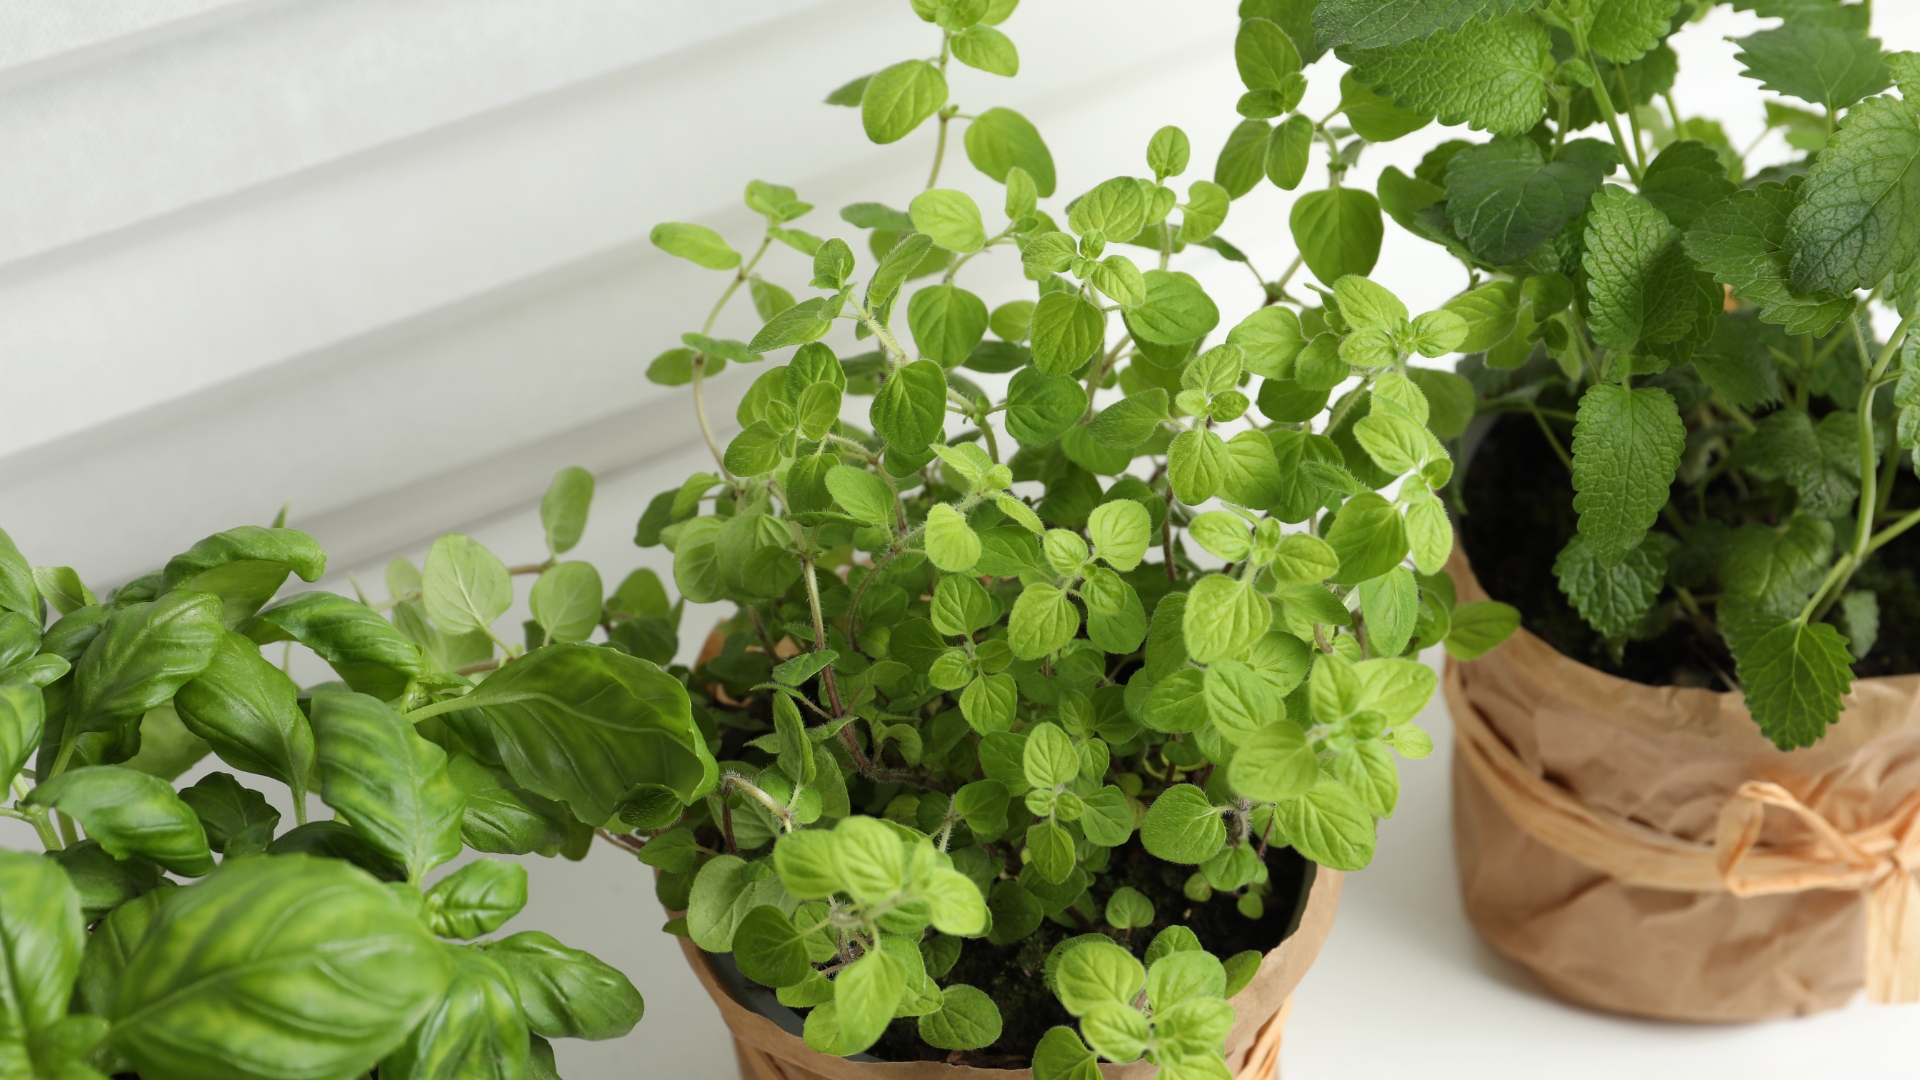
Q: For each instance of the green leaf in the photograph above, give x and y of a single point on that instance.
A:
(894, 269)
(911, 407)
(1390, 604)
(386, 781)
(1328, 825)
(1001, 140)
(769, 950)
(583, 725)
(1274, 763)
(1774, 571)
(1638, 274)
(1224, 617)
(947, 322)
(563, 509)
(805, 861)
(950, 542)
(1487, 76)
(804, 322)
(247, 710)
(41, 938)
(1369, 538)
(466, 587)
(1742, 241)
(952, 219)
(1685, 181)
(869, 858)
(244, 567)
(63, 589)
(145, 653)
(1855, 224)
(1626, 447)
(1050, 849)
(966, 1020)
(18, 593)
(1061, 1055)
(953, 902)
(1183, 826)
(1128, 908)
(696, 244)
(130, 813)
(1615, 598)
(1338, 232)
(565, 993)
(1049, 758)
(1041, 407)
(1624, 30)
(566, 601)
(1043, 620)
(1121, 531)
(866, 993)
(862, 495)
(1819, 461)
(22, 722)
(475, 1030)
(353, 972)
(1177, 310)
(1242, 160)
(1182, 976)
(988, 49)
(1097, 973)
(1829, 66)
(1794, 675)
(898, 98)
(364, 648)
(1196, 465)
(1373, 23)
(1505, 199)
(1478, 627)
(476, 899)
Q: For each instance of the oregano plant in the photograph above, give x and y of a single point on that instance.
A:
(1047, 652)
(1693, 333)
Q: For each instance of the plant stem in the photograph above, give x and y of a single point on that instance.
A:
(1633, 119)
(733, 286)
(940, 147)
(700, 414)
(1606, 102)
(820, 632)
(1552, 440)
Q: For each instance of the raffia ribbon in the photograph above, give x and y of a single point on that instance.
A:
(1883, 859)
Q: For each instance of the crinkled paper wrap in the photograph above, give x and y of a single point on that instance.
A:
(767, 1052)
(1668, 759)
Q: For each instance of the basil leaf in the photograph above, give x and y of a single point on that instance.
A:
(130, 813)
(389, 784)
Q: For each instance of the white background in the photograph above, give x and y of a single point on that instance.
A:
(387, 259)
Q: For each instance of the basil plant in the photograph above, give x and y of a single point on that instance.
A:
(188, 932)
(1121, 585)
(1692, 334)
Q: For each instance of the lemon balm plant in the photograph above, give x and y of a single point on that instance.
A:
(319, 949)
(1692, 335)
(1056, 648)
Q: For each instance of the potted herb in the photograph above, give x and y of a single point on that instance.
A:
(1062, 683)
(188, 932)
(1677, 795)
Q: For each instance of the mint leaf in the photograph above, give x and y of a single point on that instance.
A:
(1613, 599)
(1641, 283)
(1626, 446)
(1794, 675)
(1859, 214)
(1773, 571)
(1821, 462)
(1826, 65)
(1735, 364)
(1504, 199)
(1374, 23)
(1685, 181)
(1742, 243)
(1485, 76)
(1624, 30)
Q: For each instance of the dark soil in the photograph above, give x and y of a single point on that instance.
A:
(1014, 975)
(1519, 514)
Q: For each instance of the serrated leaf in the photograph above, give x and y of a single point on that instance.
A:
(1624, 30)
(1685, 181)
(1827, 65)
(1373, 23)
(1741, 241)
(1487, 76)
(1638, 274)
(1859, 214)
(1794, 675)
(1613, 599)
(1773, 571)
(1504, 199)
(1626, 447)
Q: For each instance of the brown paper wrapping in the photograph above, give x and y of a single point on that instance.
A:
(1253, 1048)
(1642, 781)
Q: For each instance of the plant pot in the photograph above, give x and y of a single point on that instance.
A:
(1644, 850)
(766, 1034)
